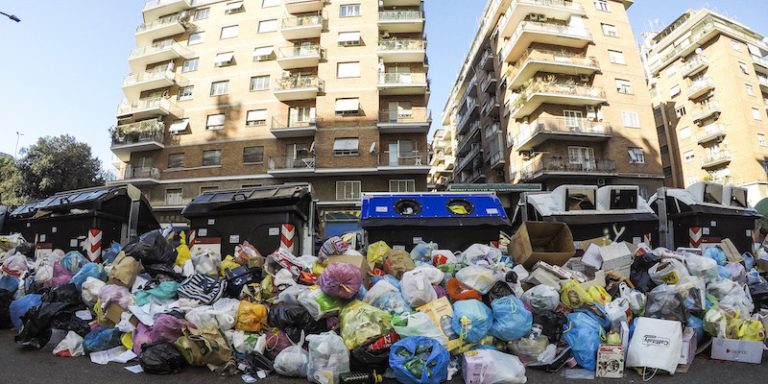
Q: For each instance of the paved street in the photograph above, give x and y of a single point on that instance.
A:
(41, 367)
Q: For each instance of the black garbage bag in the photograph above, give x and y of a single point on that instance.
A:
(239, 277)
(26, 249)
(163, 272)
(5, 311)
(73, 323)
(639, 275)
(551, 324)
(759, 292)
(36, 329)
(666, 303)
(293, 319)
(67, 294)
(161, 359)
(32, 286)
(373, 356)
(498, 290)
(255, 362)
(151, 248)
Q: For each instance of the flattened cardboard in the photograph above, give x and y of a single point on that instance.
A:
(737, 350)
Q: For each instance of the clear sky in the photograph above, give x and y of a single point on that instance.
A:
(62, 66)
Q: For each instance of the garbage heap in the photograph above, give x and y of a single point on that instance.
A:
(422, 315)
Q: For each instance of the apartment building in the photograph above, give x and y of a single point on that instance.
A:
(442, 161)
(553, 92)
(709, 85)
(230, 94)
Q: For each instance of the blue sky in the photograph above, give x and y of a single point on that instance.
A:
(62, 66)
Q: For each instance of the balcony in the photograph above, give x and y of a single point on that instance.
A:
(142, 136)
(415, 120)
(561, 62)
(761, 64)
(529, 32)
(399, 50)
(403, 83)
(303, 6)
(140, 57)
(291, 167)
(135, 83)
(153, 9)
(147, 32)
(401, 3)
(495, 150)
(704, 112)
(485, 85)
(700, 88)
(486, 61)
(300, 56)
(544, 9)
(763, 81)
(695, 65)
(559, 128)
(544, 92)
(717, 159)
(542, 168)
(284, 127)
(158, 106)
(297, 88)
(414, 162)
(472, 85)
(466, 142)
(302, 27)
(468, 114)
(710, 133)
(401, 21)
(474, 152)
(141, 175)
(491, 107)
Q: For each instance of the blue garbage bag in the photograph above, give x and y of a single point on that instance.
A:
(584, 334)
(21, 306)
(419, 360)
(101, 339)
(511, 321)
(361, 293)
(698, 325)
(749, 260)
(73, 261)
(89, 270)
(111, 252)
(166, 290)
(471, 319)
(597, 312)
(9, 283)
(391, 279)
(392, 302)
(716, 254)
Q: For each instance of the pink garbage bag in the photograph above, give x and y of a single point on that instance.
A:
(340, 280)
(117, 294)
(142, 335)
(61, 275)
(166, 328)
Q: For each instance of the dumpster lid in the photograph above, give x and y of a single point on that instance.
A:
(589, 200)
(271, 196)
(498, 188)
(708, 198)
(447, 208)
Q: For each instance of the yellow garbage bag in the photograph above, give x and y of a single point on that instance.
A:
(599, 294)
(227, 264)
(182, 251)
(361, 323)
(251, 317)
(573, 295)
(377, 251)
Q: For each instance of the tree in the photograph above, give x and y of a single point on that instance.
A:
(10, 183)
(56, 164)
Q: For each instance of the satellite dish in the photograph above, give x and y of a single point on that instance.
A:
(373, 147)
(698, 51)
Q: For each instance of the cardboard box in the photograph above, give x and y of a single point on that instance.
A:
(358, 261)
(114, 313)
(731, 252)
(598, 241)
(441, 313)
(617, 256)
(539, 241)
(610, 361)
(688, 351)
(737, 350)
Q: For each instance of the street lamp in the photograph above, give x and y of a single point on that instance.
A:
(12, 17)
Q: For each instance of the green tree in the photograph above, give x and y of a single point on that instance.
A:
(56, 164)
(10, 183)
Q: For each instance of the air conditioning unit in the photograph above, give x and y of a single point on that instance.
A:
(600, 182)
(541, 18)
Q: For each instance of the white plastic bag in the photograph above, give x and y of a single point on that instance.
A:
(290, 295)
(206, 262)
(226, 309)
(635, 298)
(486, 366)
(668, 271)
(739, 299)
(379, 289)
(480, 254)
(417, 288)
(44, 273)
(720, 288)
(478, 278)
(655, 344)
(203, 317)
(243, 342)
(70, 346)
(616, 311)
(420, 324)
(91, 288)
(292, 361)
(701, 267)
(434, 275)
(328, 358)
(542, 298)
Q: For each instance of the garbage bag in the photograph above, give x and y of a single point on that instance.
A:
(639, 275)
(247, 255)
(340, 280)
(61, 276)
(552, 324)
(161, 359)
(751, 330)
(251, 317)
(293, 319)
(419, 360)
(416, 288)
(206, 262)
(471, 320)
(701, 267)
(116, 294)
(511, 320)
(204, 347)
(379, 288)
(499, 289)
(738, 299)
(73, 261)
(572, 294)
(9, 283)
(541, 298)
(599, 294)
(19, 307)
(182, 250)
(290, 295)
(397, 262)
(204, 317)
(584, 335)
(418, 324)
(15, 265)
(458, 291)
(124, 270)
(377, 251)
(166, 328)
(164, 291)
(37, 322)
(101, 339)
(665, 303)
(152, 248)
(481, 254)
(738, 272)
(422, 251)
(331, 247)
(70, 346)
(254, 362)
(111, 252)
(392, 302)
(239, 277)
(276, 342)
(6, 297)
(141, 335)
(328, 358)
(668, 271)
(90, 290)
(374, 355)
(319, 304)
(93, 270)
(202, 288)
(717, 254)
(361, 322)
(292, 361)
(478, 278)
(720, 288)
(66, 293)
(492, 367)
(226, 312)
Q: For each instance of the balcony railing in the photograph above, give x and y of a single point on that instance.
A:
(541, 87)
(714, 159)
(570, 5)
(404, 159)
(760, 61)
(298, 82)
(554, 57)
(695, 88)
(464, 161)
(401, 15)
(142, 77)
(300, 51)
(411, 116)
(545, 28)
(151, 4)
(402, 44)
(402, 79)
(763, 80)
(561, 165)
(155, 49)
(283, 163)
(132, 173)
(160, 103)
(560, 125)
(486, 61)
(286, 123)
(693, 65)
(139, 132)
(710, 133)
(302, 21)
(707, 110)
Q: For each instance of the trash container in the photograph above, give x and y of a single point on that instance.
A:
(3, 217)
(452, 220)
(617, 211)
(706, 213)
(86, 220)
(268, 217)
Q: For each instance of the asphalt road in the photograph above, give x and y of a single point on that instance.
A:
(42, 367)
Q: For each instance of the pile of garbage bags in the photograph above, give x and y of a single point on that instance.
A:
(352, 315)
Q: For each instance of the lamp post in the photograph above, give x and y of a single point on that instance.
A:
(12, 17)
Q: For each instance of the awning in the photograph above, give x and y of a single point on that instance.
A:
(224, 58)
(345, 144)
(216, 119)
(257, 114)
(348, 105)
(236, 6)
(348, 37)
(263, 51)
(179, 126)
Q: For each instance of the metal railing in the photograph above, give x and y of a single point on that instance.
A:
(298, 51)
(693, 64)
(138, 132)
(710, 132)
(277, 163)
(558, 165)
(464, 161)
(302, 21)
(410, 116)
(150, 4)
(706, 110)
(155, 49)
(760, 61)
(298, 82)
(136, 78)
(162, 103)
(551, 56)
(402, 78)
(539, 27)
(715, 158)
(563, 125)
(570, 5)
(487, 57)
(566, 89)
(404, 159)
(698, 85)
(401, 15)
(763, 80)
(132, 173)
(159, 23)
(286, 122)
(402, 44)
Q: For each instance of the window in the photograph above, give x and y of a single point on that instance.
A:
(636, 155)
(573, 120)
(624, 86)
(348, 190)
(675, 91)
(260, 83)
(617, 57)
(601, 5)
(201, 14)
(671, 71)
(175, 160)
(174, 196)
(190, 65)
(736, 45)
(179, 126)
(680, 111)
(631, 119)
(349, 38)
(211, 157)
(761, 140)
(301, 116)
(229, 32)
(256, 117)
(407, 185)
(582, 155)
(756, 114)
(185, 93)
(610, 30)
(349, 10)
(195, 38)
(689, 156)
(214, 122)
(263, 53)
(750, 89)
(253, 155)
(270, 3)
(208, 188)
(234, 7)
(348, 106)
(685, 132)
(224, 59)
(349, 69)
(346, 146)
(667, 171)
(219, 88)
(267, 26)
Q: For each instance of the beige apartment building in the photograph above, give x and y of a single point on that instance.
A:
(709, 83)
(442, 161)
(553, 92)
(230, 94)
